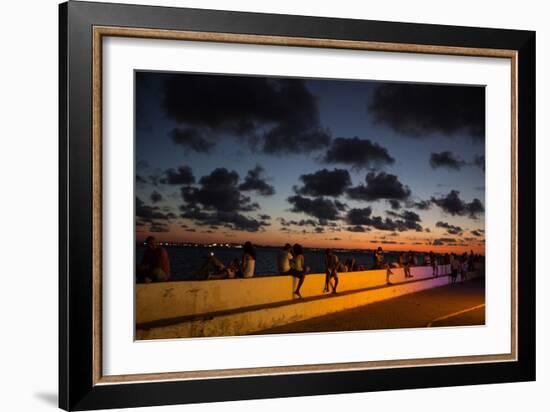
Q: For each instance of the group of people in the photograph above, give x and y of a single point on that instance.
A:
(410, 258)
(155, 265)
(460, 265)
(213, 268)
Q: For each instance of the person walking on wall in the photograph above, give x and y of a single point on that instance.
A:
(298, 268)
(331, 267)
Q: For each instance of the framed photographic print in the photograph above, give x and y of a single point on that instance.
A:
(259, 205)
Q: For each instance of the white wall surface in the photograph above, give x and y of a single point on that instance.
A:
(28, 173)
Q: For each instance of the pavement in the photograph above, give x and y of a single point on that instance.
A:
(461, 304)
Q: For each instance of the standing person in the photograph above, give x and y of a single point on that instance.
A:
(433, 259)
(331, 270)
(249, 260)
(382, 264)
(446, 262)
(455, 266)
(412, 258)
(404, 261)
(284, 259)
(427, 260)
(465, 267)
(298, 268)
(155, 263)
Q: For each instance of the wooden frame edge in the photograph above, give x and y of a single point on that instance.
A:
(98, 32)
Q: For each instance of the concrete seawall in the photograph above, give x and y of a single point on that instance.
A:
(164, 300)
(244, 306)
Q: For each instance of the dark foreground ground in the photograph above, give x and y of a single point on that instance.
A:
(450, 305)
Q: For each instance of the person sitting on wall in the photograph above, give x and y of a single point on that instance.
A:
(249, 260)
(213, 268)
(283, 260)
(234, 269)
(352, 265)
(155, 263)
(331, 267)
(342, 268)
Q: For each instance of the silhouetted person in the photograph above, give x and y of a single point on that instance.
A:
(331, 270)
(249, 260)
(455, 267)
(433, 260)
(404, 261)
(283, 260)
(155, 263)
(382, 264)
(213, 268)
(412, 259)
(298, 268)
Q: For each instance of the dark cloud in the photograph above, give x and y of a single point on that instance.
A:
(478, 232)
(302, 222)
(153, 217)
(446, 160)
(278, 116)
(451, 229)
(357, 229)
(191, 139)
(140, 180)
(238, 221)
(156, 197)
(219, 191)
(394, 204)
(264, 217)
(359, 216)
(149, 213)
(324, 183)
(182, 176)
(380, 185)
(218, 202)
(159, 227)
(479, 161)
(420, 204)
(230, 220)
(358, 153)
(418, 110)
(254, 181)
(406, 220)
(453, 205)
(319, 207)
(444, 241)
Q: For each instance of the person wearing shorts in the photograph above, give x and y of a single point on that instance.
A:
(298, 268)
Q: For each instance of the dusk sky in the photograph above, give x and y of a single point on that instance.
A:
(325, 163)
